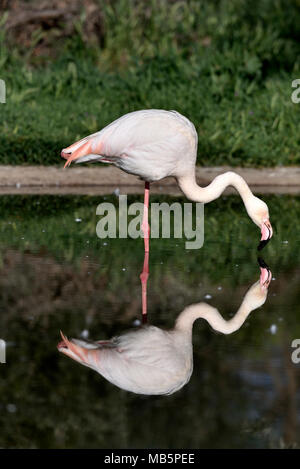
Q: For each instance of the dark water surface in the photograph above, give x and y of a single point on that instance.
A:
(57, 275)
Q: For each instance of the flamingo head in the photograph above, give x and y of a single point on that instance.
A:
(76, 151)
(84, 150)
(259, 213)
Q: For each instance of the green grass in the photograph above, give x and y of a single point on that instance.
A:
(227, 66)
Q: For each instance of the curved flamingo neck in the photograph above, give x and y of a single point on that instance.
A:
(189, 315)
(192, 191)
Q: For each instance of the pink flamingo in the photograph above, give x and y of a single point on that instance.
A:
(149, 360)
(154, 144)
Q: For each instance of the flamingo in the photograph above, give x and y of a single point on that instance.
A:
(154, 144)
(153, 361)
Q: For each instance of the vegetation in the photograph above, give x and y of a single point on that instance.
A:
(228, 66)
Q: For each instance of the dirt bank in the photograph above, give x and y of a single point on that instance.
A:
(107, 179)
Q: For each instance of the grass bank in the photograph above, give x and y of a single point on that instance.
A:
(227, 66)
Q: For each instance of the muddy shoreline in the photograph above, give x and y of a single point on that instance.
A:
(100, 180)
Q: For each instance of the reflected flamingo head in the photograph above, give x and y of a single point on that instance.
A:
(77, 350)
(265, 273)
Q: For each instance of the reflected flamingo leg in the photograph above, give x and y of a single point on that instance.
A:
(146, 232)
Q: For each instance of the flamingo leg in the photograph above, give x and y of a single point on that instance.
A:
(145, 223)
(144, 279)
(146, 232)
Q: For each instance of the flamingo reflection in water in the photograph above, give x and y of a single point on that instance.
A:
(152, 361)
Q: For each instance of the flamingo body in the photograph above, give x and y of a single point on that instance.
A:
(153, 144)
(148, 361)
(153, 361)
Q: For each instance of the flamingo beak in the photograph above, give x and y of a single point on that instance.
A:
(266, 234)
(75, 151)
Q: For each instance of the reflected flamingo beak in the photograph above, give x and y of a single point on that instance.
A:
(67, 347)
(266, 234)
(265, 277)
(265, 273)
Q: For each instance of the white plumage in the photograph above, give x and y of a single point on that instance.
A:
(150, 360)
(153, 144)
(146, 144)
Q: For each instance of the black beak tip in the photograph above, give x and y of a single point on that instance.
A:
(262, 244)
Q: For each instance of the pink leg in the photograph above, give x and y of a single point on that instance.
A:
(144, 278)
(145, 224)
(145, 273)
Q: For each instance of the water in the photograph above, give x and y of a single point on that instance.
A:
(57, 275)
